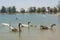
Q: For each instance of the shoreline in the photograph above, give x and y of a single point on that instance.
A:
(58, 13)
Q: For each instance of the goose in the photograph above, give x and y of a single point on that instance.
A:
(19, 25)
(45, 27)
(14, 29)
(25, 25)
(5, 24)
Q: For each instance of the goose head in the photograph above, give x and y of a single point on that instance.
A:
(29, 22)
(53, 25)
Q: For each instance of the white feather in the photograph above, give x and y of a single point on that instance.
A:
(25, 25)
(5, 24)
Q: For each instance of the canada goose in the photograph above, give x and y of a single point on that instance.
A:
(19, 26)
(45, 27)
(15, 29)
(25, 25)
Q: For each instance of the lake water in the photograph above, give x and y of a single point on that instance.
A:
(34, 33)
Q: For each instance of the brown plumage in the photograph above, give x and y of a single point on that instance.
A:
(45, 27)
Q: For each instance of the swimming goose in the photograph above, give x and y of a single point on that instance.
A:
(14, 29)
(25, 25)
(45, 27)
(19, 25)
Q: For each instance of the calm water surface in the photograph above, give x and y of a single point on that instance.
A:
(34, 33)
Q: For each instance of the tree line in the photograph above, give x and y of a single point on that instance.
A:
(12, 10)
(8, 10)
